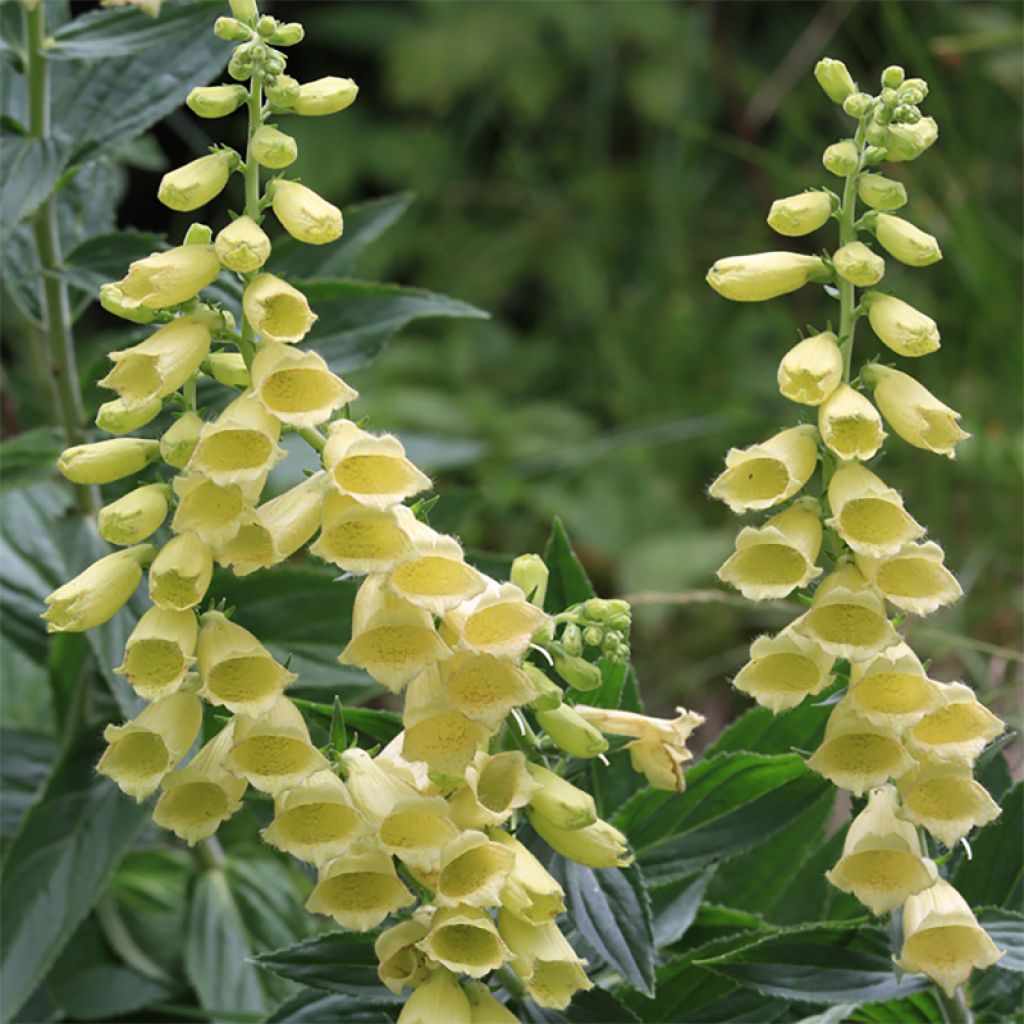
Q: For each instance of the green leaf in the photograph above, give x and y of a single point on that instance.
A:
(917, 1009)
(568, 583)
(314, 1006)
(594, 1005)
(732, 803)
(57, 867)
(1007, 930)
(106, 257)
(675, 905)
(993, 876)
(29, 168)
(357, 318)
(344, 964)
(25, 760)
(757, 729)
(29, 457)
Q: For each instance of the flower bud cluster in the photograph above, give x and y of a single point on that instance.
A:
(893, 732)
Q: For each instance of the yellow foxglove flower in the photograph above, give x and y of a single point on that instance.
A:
(159, 652)
(905, 242)
(857, 755)
(907, 331)
(371, 469)
(306, 216)
(571, 732)
(237, 672)
(913, 579)
(373, 785)
(273, 752)
(600, 845)
(325, 96)
(229, 368)
(945, 799)
(112, 300)
(315, 820)
(214, 512)
(197, 182)
(179, 440)
(165, 279)
(847, 617)
(834, 79)
(958, 730)
(276, 310)
(869, 516)
(485, 688)
(496, 785)
(942, 938)
(800, 214)
(465, 939)
(242, 245)
(530, 892)
(559, 801)
(181, 572)
(297, 387)
(881, 193)
(250, 549)
(445, 740)
(882, 862)
(401, 963)
(103, 462)
(196, 799)
(215, 100)
(391, 638)
(771, 561)
(474, 870)
(856, 263)
(141, 752)
(544, 960)
(359, 889)
(913, 412)
(360, 539)
(417, 830)
(484, 1008)
(499, 621)
(850, 425)
(273, 148)
(436, 577)
(120, 417)
(439, 1000)
(811, 370)
(97, 593)
(764, 275)
(765, 474)
(240, 446)
(136, 516)
(909, 141)
(783, 670)
(892, 689)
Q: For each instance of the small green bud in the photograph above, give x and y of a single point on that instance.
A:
(890, 97)
(288, 34)
(572, 639)
(856, 263)
(231, 30)
(916, 85)
(530, 575)
(892, 76)
(595, 608)
(578, 673)
(116, 417)
(857, 104)
(266, 26)
(877, 133)
(909, 141)
(571, 732)
(621, 622)
(283, 91)
(906, 114)
(841, 158)
(215, 100)
(198, 234)
(612, 641)
(274, 64)
(245, 10)
(273, 148)
(874, 155)
(240, 66)
(229, 368)
(593, 636)
(616, 606)
(549, 693)
(834, 78)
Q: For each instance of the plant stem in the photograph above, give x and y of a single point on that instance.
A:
(847, 234)
(312, 437)
(954, 1008)
(247, 339)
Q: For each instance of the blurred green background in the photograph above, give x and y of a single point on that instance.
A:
(577, 167)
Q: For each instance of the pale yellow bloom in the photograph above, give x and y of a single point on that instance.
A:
(214, 512)
(571, 732)
(800, 214)
(179, 440)
(544, 960)
(359, 889)
(484, 1008)
(599, 845)
(159, 652)
(909, 141)
(194, 184)
(496, 785)
(120, 417)
(372, 469)
(474, 870)
(904, 329)
(273, 148)
(239, 446)
(112, 300)
(867, 514)
(141, 752)
(944, 798)
(374, 785)
(417, 830)
(360, 539)
(559, 801)
(850, 425)
(103, 462)
(297, 387)
(882, 863)
(436, 734)
(856, 263)
(530, 891)
(483, 687)
(841, 158)
(765, 474)
(181, 572)
(942, 938)
(439, 1000)
(958, 730)
(276, 310)
(401, 964)
(465, 939)
(242, 245)
(306, 216)
(773, 560)
(914, 578)
(167, 278)
(811, 370)
(327, 95)
(892, 689)
(905, 242)
(783, 670)
(764, 275)
(499, 621)
(880, 192)
(215, 100)
(135, 516)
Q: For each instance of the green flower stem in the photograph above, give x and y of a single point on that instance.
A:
(312, 437)
(847, 234)
(247, 339)
(954, 1008)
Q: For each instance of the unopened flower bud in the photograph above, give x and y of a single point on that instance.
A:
(907, 331)
(439, 998)
(121, 417)
(904, 241)
(593, 636)
(168, 278)
(841, 158)
(288, 34)
(857, 104)
(911, 92)
(856, 263)
(909, 141)
(880, 192)
(874, 155)
(273, 148)
(242, 246)
(196, 183)
(764, 275)
(549, 693)
(877, 131)
(306, 216)
(135, 516)
(245, 10)
(103, 462)
(571, 732)
(889, 98)
(559, 801)
(240, 65)
(834, 79)
(599, 845)
(325, 96)
(906, 114)
(530, 575)
(266, 26)
(231, 29)
(179, 440)
(112, 300)
(572, 640)
(892, 76)
(215, 100)
(800, 214)
(282, 92)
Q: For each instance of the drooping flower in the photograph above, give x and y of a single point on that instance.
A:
(783, 670)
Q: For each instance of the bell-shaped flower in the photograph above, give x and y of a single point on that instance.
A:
(773, 560)
(474, 870)
(811, 370)
(867, 514)
(112, 300)
(958, 730)
(194, 184)
(181, 572)
(571, 732)
(850, 425)
(530, 891)
(417, 830)
(800, 214)
(372, 469)
(765, 474)
(141, 752)
(559, 801)
(914, 578)
(276, 310)
(315, 820)
(401, 963)
(213, 512)
(119, 417)
(135, 516)
(599, 845)
(306, 216)
(881, 193)
(97, 593)
(360, 539)
(543, 959)
(882, 863)
(297, 387)
(856, 263)
(159, 652)
(391, 638)
(465, 939)
(273, 751)
(764, 275)
(359, 889)
(945, 799)
(242, 246)
(496, 785)
(178, 441)
(892, 689)
(847, 617)
(239, 446)
(483, 687)
(273, 148)
(499, 621)
(907, 331)
(103, 462)
(913, 412)
(439, 998)
(168, 278)
(328, 95)
(942, 938)
(484, 1008)
(906, 242)
(374, 785)
(783, 670)
(856, 754)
